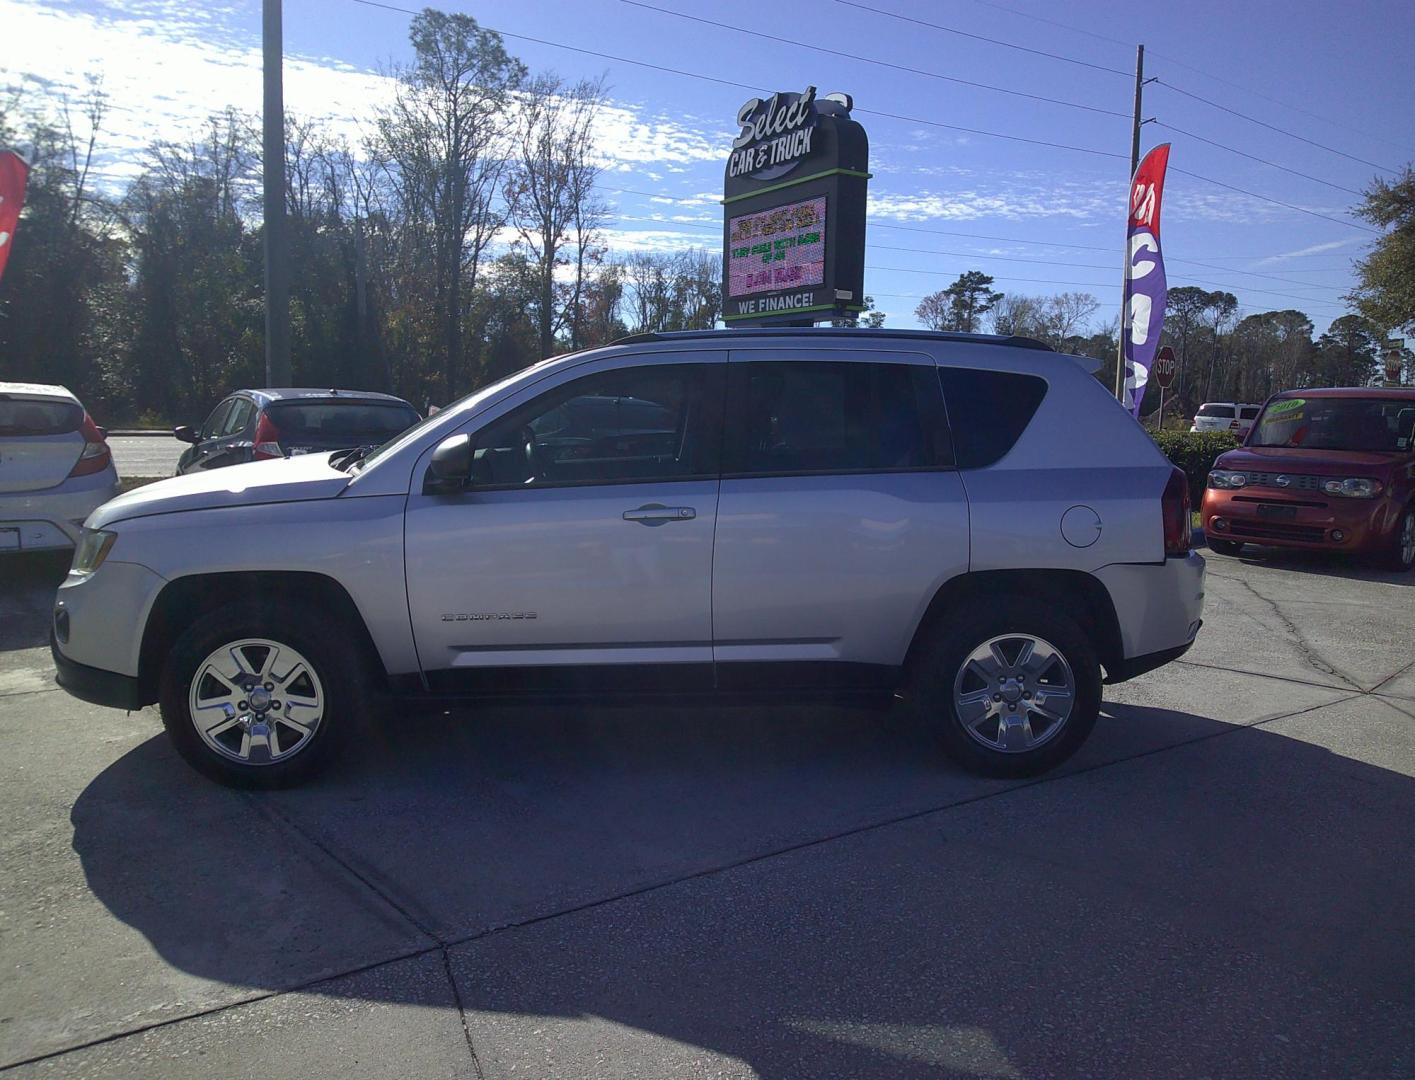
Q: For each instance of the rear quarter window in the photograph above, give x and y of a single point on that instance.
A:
(19, 416)
(988, 411)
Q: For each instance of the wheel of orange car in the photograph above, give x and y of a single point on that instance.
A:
(1401, 554)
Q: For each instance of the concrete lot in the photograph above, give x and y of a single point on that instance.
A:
(145, 455)
(1220, 884)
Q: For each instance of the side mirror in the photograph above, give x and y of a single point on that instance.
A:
(450, 469)
(185, 433)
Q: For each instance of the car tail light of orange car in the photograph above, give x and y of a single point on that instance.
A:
(95, 456)
(1174, 505)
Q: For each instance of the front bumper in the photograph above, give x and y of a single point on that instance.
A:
(1311, 521)
(95, 685)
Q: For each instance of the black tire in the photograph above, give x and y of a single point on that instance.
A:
(1225, 547)
(323, 642)
(1394, 558)
(938, 659)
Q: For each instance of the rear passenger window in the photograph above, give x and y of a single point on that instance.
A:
(988, 411)
(237, 418)
(833, 417)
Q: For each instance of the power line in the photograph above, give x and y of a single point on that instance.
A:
(879, 112)
(1275, 202)
(871, 60)
(1053, 22)
(1344, 125)
(758, 89)
(1001, 239)
(1274, 127)
(1261, 161)
(983, 37)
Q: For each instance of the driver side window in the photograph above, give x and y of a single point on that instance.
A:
(634, 425)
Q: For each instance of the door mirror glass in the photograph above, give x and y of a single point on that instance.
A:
(450, 469)
(186, 433)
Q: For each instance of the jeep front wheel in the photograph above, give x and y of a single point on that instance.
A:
(258, 696)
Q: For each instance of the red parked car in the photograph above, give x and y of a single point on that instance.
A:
(1330, 470)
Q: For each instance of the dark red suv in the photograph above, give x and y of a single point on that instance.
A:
(1321, 469)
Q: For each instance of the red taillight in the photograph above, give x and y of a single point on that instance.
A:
(267, 440)
(1174, 506)
(95, 456)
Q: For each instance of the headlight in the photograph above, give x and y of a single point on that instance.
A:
(1355, 487)
(1225, 478)
(91, 550)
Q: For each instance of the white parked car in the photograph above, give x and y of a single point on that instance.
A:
(771, 513)
(55, 467)
(1236, 417)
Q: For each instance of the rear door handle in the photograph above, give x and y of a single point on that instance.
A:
(658, 514)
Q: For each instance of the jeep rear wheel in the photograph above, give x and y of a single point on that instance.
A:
(258, 695)
(1013, 692)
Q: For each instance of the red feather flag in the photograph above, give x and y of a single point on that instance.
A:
(13, 174)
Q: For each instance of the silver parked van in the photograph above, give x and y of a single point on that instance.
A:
(969, 523)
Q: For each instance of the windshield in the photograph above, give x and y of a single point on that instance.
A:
(435, 414)
(1362, 424)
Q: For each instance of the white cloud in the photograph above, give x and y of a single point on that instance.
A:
(1311, 249)
(166, 65)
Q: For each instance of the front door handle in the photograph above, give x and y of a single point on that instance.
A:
(658, 514)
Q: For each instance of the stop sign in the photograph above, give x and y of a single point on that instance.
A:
(1163, 370)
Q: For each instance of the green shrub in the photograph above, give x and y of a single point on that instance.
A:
(1194, 452)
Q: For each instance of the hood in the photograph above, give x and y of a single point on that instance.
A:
(1308, 462)
(294, 479)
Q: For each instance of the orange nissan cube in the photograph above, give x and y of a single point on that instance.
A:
(1329, 470)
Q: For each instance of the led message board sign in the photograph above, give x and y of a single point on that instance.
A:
(777, 249)
(794, 212)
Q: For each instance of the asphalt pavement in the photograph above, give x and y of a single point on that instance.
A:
(1219, 884)
(145, 456)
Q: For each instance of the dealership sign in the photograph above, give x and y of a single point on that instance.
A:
(794, 218)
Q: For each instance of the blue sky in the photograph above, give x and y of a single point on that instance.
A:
(1039, 219)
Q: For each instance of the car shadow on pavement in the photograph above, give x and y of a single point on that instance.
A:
(1325, 564)
(598, 880)
(27, 585)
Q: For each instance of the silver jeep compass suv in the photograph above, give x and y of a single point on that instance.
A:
(969, 523)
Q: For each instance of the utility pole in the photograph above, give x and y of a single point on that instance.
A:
(277, 249)
(1125, 279)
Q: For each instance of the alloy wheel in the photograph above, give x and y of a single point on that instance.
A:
(1014, 693)
(256, 701)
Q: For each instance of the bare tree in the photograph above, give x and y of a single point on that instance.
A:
(1066, 314)
(441, 139)
(549, 191)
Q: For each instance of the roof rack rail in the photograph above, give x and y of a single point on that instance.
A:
(837, 331)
